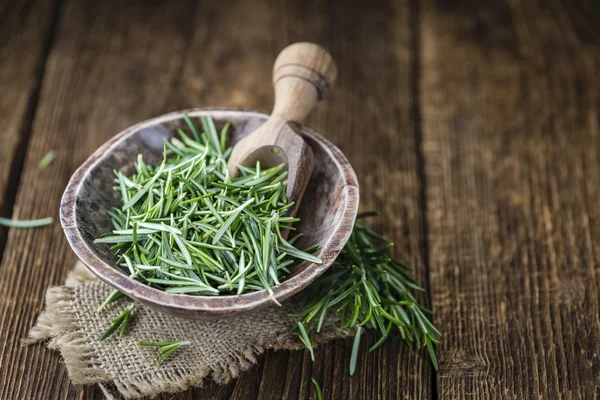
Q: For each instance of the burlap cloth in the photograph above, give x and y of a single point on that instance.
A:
(219, 350)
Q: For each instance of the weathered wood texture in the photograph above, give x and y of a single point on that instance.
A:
(25, 37)
(473, 127)
(510, 140)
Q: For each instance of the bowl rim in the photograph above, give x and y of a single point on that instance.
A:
(207, 306)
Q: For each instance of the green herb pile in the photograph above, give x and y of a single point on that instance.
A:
(367, 287)
(185, 227)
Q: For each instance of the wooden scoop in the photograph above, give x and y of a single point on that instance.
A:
(303, 75)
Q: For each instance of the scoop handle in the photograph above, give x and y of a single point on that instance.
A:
(303, 75)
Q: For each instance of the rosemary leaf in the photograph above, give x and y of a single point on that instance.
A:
(47, 159)
(355, 347)
(33, 223)
(318, 389)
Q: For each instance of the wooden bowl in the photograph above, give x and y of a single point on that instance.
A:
(327, 212)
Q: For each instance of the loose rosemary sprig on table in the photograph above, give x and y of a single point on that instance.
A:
(164, 348)
(317, 389)
(185, 227)
(32, 223)
(47, 159)
(368, 288)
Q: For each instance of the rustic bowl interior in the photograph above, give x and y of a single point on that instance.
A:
(322, 217)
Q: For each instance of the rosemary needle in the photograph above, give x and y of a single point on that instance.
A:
(318, 389)
(33, 223)
(355, 347)
(47, 159)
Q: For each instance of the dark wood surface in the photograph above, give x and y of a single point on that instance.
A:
(473, 128)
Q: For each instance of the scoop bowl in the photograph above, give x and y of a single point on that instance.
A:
(327, 212)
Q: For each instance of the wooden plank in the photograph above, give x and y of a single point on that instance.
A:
(23, 25)
(112, 64)
(510, 128)
(371, 116)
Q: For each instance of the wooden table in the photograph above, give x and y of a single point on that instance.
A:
(473, 127)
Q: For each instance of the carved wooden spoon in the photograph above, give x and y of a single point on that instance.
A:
(303, 75)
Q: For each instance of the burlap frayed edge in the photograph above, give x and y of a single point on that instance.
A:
(154, 383)
(58, 325)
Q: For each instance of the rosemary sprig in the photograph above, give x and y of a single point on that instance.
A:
(120, 323)
(47, 159)
(185, 227)
(368, 287)
(164, 349)
(33, 223)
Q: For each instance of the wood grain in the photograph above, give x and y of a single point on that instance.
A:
(23, 24)
(510, 139)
